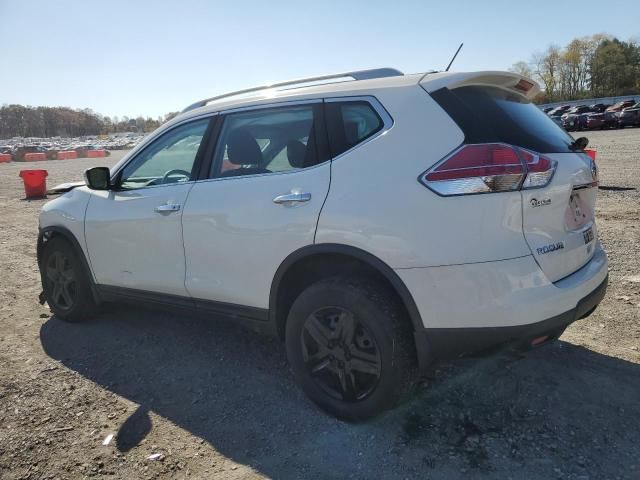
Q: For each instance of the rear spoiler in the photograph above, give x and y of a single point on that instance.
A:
(510, 81)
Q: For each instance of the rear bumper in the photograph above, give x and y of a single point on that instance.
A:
(469, 308)
(437, 344)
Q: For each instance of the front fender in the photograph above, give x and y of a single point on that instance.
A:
(64, 216)
(67, 213)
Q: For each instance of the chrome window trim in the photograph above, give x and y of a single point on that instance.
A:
(387, 119)
(174, 184)
(270, 174)
(267, 106)
(153, 137)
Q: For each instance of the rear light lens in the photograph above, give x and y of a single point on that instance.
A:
(594, 168)
(539, 170)
(524, 85)
(488, 168)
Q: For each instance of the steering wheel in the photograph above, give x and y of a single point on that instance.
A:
(175, 171)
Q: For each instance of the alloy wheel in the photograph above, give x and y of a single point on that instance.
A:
(340, 354)
(61, 280)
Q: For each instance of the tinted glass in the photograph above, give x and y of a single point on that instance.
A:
(266, 141)
(350, 123)
(489, 114)
(168, 159)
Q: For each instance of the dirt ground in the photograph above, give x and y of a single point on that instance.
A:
(218, 402)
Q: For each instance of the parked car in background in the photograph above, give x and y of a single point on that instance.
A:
(557, 120)
(338, 219)
(630, 116)
(601, 121)
(558, 110)
(547, 109)
(571, 119)
(19, 152)
(617, 107)
(582, 123)
(595, 121)
(576, 110)
(599, 107)
(612, 113)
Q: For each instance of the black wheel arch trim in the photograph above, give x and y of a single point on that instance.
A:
(327, 248)
(75, 244)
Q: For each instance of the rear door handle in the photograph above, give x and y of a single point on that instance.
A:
(167, 207)
(292, 198)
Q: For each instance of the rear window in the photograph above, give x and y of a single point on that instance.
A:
(491, 114)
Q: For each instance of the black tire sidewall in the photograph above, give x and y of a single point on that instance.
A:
(83, 303)
(373, 310)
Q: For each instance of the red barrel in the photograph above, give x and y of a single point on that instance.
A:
(591, 153)
(35, 183)
(66, 154)
(96, 153)
(5, 157)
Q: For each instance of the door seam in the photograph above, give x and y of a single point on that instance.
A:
(315, 232)
(184, 250)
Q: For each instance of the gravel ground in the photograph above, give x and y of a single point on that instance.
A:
(215, 401)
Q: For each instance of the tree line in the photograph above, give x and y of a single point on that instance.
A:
(595, 66)
(24, 121)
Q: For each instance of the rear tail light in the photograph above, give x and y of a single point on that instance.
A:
(594, 167)
(539, 170)
(488, 168)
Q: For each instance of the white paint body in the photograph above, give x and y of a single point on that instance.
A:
(467, 261)
(235, 237)
(131, 245)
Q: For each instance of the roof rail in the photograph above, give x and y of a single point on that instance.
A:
(357, 75)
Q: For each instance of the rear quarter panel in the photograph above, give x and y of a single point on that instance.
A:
(377, 203)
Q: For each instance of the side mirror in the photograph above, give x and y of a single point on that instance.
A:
(98, 178)
(579, 144)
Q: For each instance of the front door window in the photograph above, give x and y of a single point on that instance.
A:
(169, 159)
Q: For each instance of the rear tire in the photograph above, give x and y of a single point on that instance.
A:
(350, 347)
(66, 286)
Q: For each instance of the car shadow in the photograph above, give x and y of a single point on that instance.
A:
(558, 408)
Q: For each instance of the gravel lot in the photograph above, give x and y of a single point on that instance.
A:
(218, 402)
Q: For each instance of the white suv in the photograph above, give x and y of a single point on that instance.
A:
(376, 225)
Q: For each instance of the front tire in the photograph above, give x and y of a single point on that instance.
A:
(350, 347)
(66, 286)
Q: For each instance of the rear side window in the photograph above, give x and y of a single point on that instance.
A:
(350, 123)
(491, 114)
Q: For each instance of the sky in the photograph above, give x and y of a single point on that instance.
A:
(152, 57)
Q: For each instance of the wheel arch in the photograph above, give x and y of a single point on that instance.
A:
(48, 233)
(294, 264)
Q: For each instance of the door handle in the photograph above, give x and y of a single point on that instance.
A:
(292, 198)
(167, 207)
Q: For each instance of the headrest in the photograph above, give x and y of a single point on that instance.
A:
(296, 153)
(242, 148)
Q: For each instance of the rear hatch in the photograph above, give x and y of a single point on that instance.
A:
(558, 220)
(558, 199)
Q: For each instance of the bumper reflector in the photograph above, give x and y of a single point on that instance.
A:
(539, 340)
